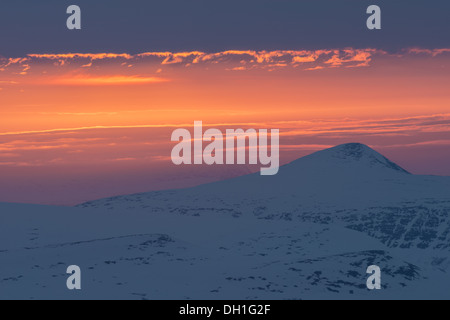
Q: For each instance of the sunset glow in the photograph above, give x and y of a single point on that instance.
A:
(100, 117)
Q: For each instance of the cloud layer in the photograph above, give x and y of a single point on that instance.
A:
(233, 59)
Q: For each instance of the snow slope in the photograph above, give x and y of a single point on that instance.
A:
(351, 184)
(350, 175)
(142, 256)
(309, 232)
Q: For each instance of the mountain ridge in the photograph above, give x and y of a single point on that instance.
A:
(309, 232)
(356, 152)
(340, 173)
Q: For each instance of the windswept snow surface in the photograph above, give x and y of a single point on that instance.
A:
(309, 232)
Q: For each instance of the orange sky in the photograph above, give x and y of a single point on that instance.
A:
(66, 91)
(69, 112)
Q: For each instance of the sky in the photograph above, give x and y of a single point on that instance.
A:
(136, 26)
(89, 114)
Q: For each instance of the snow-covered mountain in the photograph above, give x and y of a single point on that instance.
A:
(347, 175)
(309, 232)
(351, 184)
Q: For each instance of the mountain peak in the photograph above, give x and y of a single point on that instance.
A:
(353, 156)
(354, 151)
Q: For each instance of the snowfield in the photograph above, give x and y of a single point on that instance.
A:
(309, 232)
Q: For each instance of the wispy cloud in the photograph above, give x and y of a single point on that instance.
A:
(241, 60)
(86, 80)
(72, 56)
(150, 144)
(420, 144)
(147, 67)
(400, 125)
(431, 52)
(8, 82)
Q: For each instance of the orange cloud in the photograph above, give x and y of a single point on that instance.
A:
(231, 60)
(8, 82)
(106, 80)
(91, 56)
(432, 52)
(288, 128)
(253, 59)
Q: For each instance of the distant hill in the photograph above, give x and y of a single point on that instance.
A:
(309, 232)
